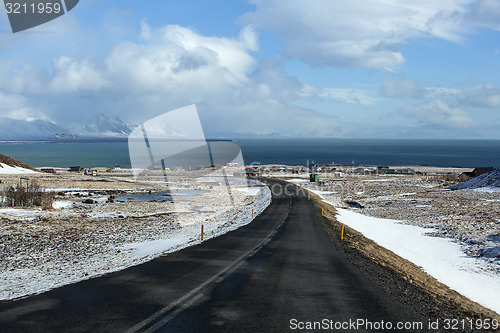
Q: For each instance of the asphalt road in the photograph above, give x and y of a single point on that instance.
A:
(271, 275)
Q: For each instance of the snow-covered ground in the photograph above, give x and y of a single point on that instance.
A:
(440, 257)
(213, 227)
(43, 250)
(10, 170)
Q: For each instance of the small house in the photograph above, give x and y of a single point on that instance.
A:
(75, 168)
(481, 171)
(253, 173)
(465, 176)
(48, 170)
(91, 172)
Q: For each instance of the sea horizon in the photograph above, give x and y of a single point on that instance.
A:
(466, 153)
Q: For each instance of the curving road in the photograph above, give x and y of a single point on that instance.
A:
(279, 272)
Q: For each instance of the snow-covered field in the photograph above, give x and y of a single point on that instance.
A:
(42, 250)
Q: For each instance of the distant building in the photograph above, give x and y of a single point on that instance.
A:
(253, 173)
(117, 166)
(407, 171)
(75, 169)
(482, 170)
(314, 177)
(91, 172)
(359, 170)
(465, 176)
(247, 173)
(48, 170)
(364, 171)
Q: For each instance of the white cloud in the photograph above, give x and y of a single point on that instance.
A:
(170, 67)
(352, 96)
(438, 113)
(407, 88)
(353, 34)
(17, 107)
(168, 59)
(487, 96)
(71, 75)
(441, 92)
(480, 96)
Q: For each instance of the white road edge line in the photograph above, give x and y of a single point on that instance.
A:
(171, 316)
(226, 271)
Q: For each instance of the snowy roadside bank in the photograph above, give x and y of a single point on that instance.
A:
(439, 257)
(45, 250)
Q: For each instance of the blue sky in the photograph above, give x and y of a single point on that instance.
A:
(371, 69)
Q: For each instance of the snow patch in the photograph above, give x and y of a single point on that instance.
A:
(10, 170)
(153, 248)
(249, 190)
(439, 257)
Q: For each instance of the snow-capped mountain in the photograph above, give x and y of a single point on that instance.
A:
(32, 125)
(490, 180)
(29, 129)
(104, 126)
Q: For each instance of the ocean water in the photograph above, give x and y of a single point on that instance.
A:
(451, 153)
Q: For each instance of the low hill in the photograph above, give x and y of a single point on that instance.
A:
(11, 165)
(488, 180)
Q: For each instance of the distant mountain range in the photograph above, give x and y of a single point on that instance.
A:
(40, 128)
(35, 126)
(17, 129)
(104, 126)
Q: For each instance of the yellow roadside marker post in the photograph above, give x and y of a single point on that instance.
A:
(252, 212)
(321, 211)
(202, 232)
(342, 232)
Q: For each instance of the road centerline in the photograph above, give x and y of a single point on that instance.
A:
(180, 303)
